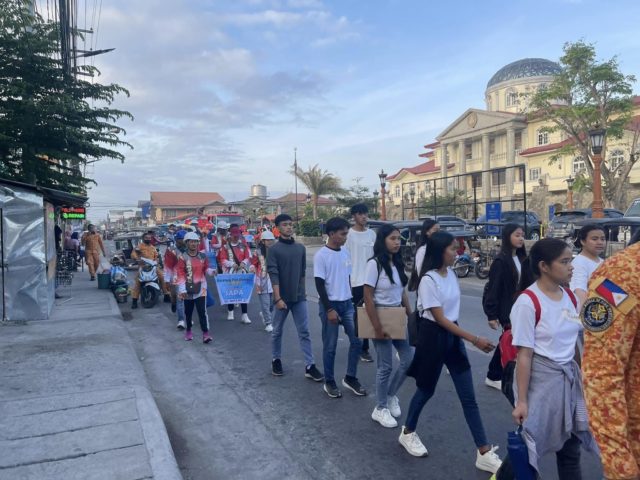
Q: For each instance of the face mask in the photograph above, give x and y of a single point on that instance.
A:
(147, 242)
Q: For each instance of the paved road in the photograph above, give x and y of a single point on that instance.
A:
(228, 417)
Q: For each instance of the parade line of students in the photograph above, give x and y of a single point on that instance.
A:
(568, 358)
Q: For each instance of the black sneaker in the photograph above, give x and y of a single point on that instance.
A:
(276, 368)
(134, 303)
(92, 279)
(332, 389)
(366, 357)
(313, 373)
(167, 298)
(353, 384)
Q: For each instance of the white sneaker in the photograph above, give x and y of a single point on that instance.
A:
(394, 406)
(245, 319)
(383, 417)
(497, 384)
(230, 315)
(489, 461)
(268, 328)
(181, 325)
(412, 444)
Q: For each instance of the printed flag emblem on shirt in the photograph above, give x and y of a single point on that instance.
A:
(611, 292)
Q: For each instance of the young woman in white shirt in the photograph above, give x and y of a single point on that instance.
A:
(384, 284)
(591, 240)
(440, 342)
(549, 399)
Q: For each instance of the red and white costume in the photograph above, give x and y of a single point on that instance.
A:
(192, 269)
(236, 257)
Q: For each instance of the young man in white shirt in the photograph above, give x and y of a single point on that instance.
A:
(360, 246)
(332, 269)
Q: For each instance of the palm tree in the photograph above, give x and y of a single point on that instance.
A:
(318, 182)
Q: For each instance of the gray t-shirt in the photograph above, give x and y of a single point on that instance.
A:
(286, 264)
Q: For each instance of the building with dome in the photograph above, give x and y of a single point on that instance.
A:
(501, 138)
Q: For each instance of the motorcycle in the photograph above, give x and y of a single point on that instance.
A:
(149, 286)
(483, 263)
(463, 265)
(119, 282)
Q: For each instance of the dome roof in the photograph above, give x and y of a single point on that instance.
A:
(525, 68)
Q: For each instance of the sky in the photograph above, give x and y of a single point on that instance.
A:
(223, 91)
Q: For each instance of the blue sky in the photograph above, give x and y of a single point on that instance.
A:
(222, 91)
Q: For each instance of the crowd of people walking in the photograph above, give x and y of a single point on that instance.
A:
(568, 359)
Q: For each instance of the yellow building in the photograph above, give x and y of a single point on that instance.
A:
(502, 139)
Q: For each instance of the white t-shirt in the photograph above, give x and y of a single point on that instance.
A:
(516, 261)
(555, 335)
(385, 293)
(583, 268)
(334, 267)
(420, 253)
(438, 291)
(360, 247)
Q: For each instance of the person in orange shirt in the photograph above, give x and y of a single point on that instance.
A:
(92, 243)
(147, 250)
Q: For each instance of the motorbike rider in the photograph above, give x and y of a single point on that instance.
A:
(147, 250)
(171, 255)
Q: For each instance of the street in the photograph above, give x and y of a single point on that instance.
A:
(229, 418)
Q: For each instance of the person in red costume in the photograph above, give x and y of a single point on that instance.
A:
(235, 257)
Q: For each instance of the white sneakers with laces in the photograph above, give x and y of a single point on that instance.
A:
(489, 461)
(383, 417)
(394, 406)
(230, 315)
(245, 319)
(412, 444)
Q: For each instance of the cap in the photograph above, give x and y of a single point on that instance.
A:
(267, 235)
(192, 236)
(180, 234)
(223, 225)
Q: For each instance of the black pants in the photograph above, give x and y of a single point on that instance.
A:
(495, 367)
(200, 304)
(243, 307)
(358, 295)
(567, 460)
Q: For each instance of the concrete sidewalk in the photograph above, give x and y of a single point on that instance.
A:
(74, 401)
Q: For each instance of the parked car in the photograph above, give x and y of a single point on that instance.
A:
(451, 223)
(633, 212)
(533, 224)
(563, 223)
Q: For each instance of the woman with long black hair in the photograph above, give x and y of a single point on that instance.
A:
(501, 290)
(440, 343)
(384, 284)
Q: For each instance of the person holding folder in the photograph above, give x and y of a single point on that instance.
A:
(384, 283)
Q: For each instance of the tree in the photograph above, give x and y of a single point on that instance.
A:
(319, 182)
(51, 124)
(588, 94)
(357, 193)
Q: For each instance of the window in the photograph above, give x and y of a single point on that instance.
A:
(521, 172)
(476, 180)
(427, 186)
(499, 177)
(511, 98)
(534, 174)
(468, 153)
(578, 165)
(492, 146)
(518, 141)
(397, 191)
(616, 158)
(543, 137)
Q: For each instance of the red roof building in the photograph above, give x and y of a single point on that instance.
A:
(170, 205)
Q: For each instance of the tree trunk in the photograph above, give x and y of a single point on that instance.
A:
(315, 206)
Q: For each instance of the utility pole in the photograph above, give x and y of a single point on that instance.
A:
(295, 169)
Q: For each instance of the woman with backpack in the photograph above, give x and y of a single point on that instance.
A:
(549, 399)
(384, 284)
(440, 342)
(500, 291)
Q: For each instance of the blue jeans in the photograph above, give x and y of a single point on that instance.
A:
(384, 362)
(330, 333)
(301, 319)
(180, 310)
(463, 383)
(266, 306)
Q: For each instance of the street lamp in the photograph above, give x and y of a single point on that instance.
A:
(383, 184)
(597, 141)
(412, 195)
(375, 201)
(570, 181)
